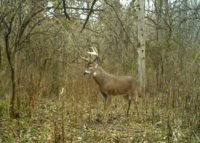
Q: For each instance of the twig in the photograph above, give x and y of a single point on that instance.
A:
(196, 136)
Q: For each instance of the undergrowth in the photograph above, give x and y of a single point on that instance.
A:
(81, 120)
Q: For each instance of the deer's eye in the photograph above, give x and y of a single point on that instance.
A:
(90, 65)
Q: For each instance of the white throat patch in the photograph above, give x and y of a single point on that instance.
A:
(94, 73)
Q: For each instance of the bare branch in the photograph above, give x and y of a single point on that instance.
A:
(65, 12)
(118, 17)
(82, 8)
(88, 16)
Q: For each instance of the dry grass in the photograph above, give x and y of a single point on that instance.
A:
(79, 119)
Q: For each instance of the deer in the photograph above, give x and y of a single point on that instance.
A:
(109, 84)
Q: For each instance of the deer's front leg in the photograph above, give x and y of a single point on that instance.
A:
(129, 104)
(107, 102)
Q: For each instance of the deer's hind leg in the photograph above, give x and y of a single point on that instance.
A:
(128, 98)
(135, 101)
(129, 104)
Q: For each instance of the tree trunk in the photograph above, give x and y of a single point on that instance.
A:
(12, 72)
(141, 44)
(0, 56)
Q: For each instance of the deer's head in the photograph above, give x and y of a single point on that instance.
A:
(92, 62)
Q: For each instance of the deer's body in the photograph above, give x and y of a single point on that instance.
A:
(111, 85)
(114, 85)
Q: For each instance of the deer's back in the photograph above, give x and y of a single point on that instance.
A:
(119, 85)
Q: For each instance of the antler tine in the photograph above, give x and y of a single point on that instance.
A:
(85, 59)
(94, 51)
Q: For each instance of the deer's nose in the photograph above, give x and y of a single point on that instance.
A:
(86, 72)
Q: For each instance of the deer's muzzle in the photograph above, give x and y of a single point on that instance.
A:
(86, 72)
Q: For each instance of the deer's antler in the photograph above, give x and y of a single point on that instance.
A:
(94, 51)
(85, 59)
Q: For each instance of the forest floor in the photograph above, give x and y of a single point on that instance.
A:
(82, 121)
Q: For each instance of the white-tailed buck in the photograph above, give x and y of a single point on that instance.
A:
(111, 85)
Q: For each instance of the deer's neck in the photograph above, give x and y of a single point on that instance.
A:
(100, 76)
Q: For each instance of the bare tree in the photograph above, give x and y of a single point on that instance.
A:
(140, 8)
(15, 23)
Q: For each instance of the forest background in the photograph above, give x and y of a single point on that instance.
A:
(44, 96)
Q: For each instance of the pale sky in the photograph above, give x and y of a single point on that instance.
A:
(125, 2)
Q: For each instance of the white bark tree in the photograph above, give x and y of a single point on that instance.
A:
(140, 9)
